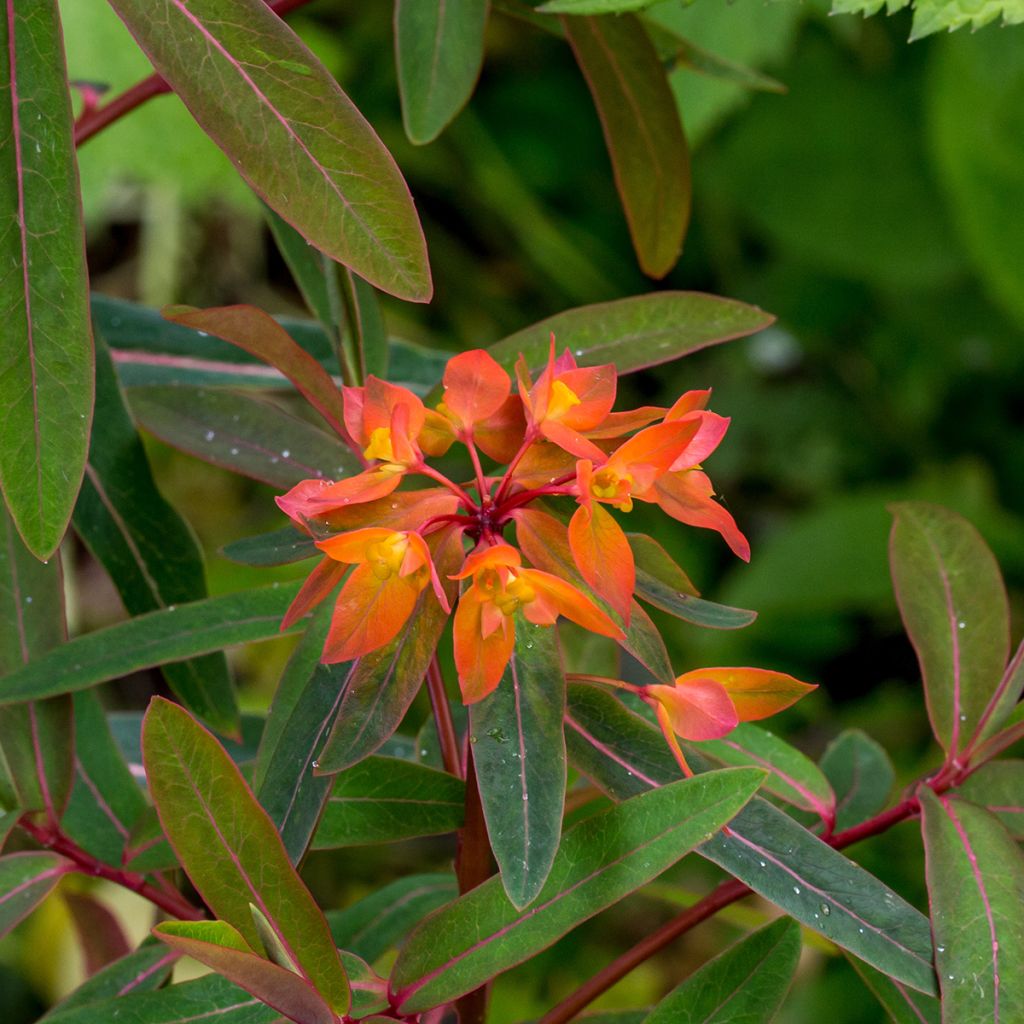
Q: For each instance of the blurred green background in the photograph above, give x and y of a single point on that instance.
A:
(876, 207)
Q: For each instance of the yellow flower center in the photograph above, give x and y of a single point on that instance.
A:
(380, 445)
(562, 399)
(386, 556)
(614, 487)
(517, 593)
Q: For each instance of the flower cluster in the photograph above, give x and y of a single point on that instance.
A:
(552, 438)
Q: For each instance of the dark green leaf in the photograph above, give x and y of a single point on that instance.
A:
(378, 922)
(383, 799)
(975, 874)
(600, 861)
(903, 1005)
(146, 547)
(181, 631)
(46, 345)
(211, 999)
(519, 755)
(240, 433)
(26, 879)
(366, 328)
(369, 989)
(584, 7)
(861, 775)
(793, 776)
(642, 131)
(999, 787)
(279, 547)
(307, 268)
(293, 134)
(744, 985)
(231, 849)
(439, 49)
(953, 603)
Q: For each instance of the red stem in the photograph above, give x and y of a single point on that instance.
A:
(172, 903)
(443, 720)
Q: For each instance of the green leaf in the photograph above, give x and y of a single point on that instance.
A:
(279, 547)
(231, 849)
(635, 333)
(744, 985)
(373, 925)
(940, 15)
(642, 131)
(974, 99)
(519, 756)
(600, 861)
(383, 800)
(26, 879)
(999, 787)
(106, 801)
(366, 325)
(307, 269)
(218, 945)
(180, 631)
(369, 989)
(903, 1005)
(439, 50)
(766, 849)
(594, 6)
(384, 682)
(793, 776)
(290, 130)
(142, 971)
(304, 708)
(46, 347)
(147, 548)
(861, 775)
(240, 433)
(975, 875)
(212, 1000)
(951, 596)
(37, 738)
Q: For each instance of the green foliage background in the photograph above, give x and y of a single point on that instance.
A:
(875, 208)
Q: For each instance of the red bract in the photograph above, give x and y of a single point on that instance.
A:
(555, 440)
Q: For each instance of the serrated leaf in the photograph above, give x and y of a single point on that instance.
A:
(975, 875)
(999, 787)
(46, 360)
(903, 1005)
(519, 756)
(376, 923)
(279, 547)
(182, 631)
(793, 776)
(766, 849)
(147, 548)
(26, 879)
(642, 130)
(231, 849)
(951, 596)
(600, 861)
(744, 985)
(861, 775)
(439, 49)
(383, 800)
(290, 130)
(211, 999)
(241, 433)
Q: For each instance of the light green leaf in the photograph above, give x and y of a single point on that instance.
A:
(46, 360)
(940, 15)
(594, 6)
(439, 49)
(231, 849)
(293, 134)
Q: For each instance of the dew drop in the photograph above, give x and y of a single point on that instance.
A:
(285, 454)
(796, 889)
(210, 435)
(762, 863)
(940, 949)
(28, 600)
(526, 796)
(234, 451)
(203, 334)
(825, 910)
(961, 625)
(963, 718)
(316, 764)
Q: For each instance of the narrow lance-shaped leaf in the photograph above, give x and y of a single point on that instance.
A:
(861, 775)
(384, 799)
(230, 848)
(975, 875)
(745, 983)
(177, 632)
(293, 134)
(46, 386)
(519, 755)
(600, 861)
(439, 49)
(642, 130)
(240, 433)
(366, 328)
(148, 550)
(903, 1005)
(36, 738)
(279, 547)
(999, 787)
(766, 849)
(953, 603)
(26, 879)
